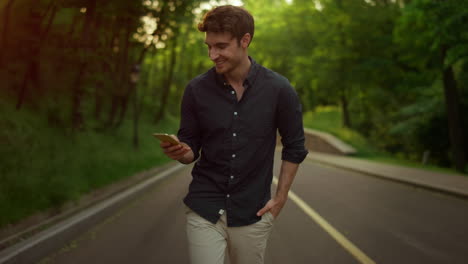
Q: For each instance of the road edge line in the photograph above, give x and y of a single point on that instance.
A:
(335, 234)
(415, 184)
(26, 248)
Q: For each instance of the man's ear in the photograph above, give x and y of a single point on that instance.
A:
(245, 40)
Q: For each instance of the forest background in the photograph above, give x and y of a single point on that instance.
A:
(84, 83)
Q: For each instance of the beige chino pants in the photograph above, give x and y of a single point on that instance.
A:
(208, 242)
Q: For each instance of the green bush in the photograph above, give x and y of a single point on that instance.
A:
(44, 167)
(328, 119)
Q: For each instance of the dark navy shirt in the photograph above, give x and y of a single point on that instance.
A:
(234, 141)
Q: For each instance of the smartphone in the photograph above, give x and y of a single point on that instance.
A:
(166, 138)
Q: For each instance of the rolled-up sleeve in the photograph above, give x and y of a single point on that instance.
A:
(290, 125)
(189, 130)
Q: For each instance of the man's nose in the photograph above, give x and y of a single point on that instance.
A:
(213, 54)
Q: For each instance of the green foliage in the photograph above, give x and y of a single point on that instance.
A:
(433, 42)
(420, 123)
(67, 69)
(379, 60)
(437, 24)
(70, 112)
(44, 167)
(328, 119)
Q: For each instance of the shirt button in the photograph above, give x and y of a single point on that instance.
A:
(234, 134)
(232, 92)
(232, 177)
(228, 196)
(233, 155)
(235, 113)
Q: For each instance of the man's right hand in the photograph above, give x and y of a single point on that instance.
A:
(181, 152)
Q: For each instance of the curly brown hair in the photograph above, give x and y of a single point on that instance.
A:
(233, 19)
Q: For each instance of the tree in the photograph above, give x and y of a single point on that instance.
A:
(432, 32)
(6, 22)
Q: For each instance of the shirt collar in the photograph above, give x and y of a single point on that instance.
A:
(249, 81)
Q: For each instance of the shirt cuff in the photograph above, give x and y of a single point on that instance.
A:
(294, 155)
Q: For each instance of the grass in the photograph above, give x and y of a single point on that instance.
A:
(328, 119)
(43, 167)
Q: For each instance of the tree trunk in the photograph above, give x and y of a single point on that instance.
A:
(167, 84)
(113, 111)
(346, 120)
(136, 117)
(77, 90)
(98, 98)
(109, 70)
(33, 69)
(61, 65)
(136, 101)
(186, 56)
(124, 86)
(77, 99)
(159, 90)
(22, 93)
(6, 20)
(453, 115)
(345, 110)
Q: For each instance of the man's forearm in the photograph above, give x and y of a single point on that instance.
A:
(286, 177)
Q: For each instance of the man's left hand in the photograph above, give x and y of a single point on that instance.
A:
(274, 206)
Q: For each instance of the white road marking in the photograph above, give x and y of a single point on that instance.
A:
(335, 234)
(10, 253)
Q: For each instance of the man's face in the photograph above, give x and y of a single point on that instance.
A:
(224, 50)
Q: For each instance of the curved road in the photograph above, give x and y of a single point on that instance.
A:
(379, 222)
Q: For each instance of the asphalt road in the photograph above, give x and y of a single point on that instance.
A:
(387, 222)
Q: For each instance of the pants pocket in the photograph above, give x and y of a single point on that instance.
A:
(269, 217)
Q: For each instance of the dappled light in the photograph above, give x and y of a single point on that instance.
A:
(85, 84)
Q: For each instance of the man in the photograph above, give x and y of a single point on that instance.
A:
(232, 113)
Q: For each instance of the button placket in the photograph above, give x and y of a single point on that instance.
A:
(231, 180)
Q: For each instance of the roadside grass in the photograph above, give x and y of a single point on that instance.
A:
(328, 119)
(44, 167)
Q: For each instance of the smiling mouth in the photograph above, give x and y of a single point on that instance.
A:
(219, 64)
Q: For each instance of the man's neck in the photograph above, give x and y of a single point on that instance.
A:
(240, 73)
